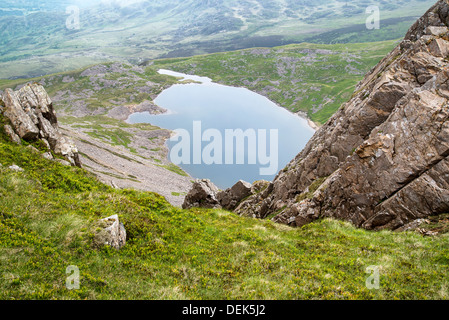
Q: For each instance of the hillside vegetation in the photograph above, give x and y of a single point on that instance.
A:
(37, 40)
(47, 223)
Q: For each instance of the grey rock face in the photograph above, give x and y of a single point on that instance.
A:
(382, 160)
(230, 198)
(33, 117)
(12, 135)
(203, 194)
(21, 122)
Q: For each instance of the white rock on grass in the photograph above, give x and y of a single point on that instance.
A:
(111, 233)
(15, 168)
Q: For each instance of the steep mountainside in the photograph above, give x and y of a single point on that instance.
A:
(92, 103)
(381, 160)
(55, 234)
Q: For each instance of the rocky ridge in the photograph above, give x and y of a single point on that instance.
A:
(381, 161)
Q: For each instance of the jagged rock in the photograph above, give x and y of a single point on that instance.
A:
(230, 198)
(21, 122)
(67, 149)
(203, 194)
(206, 195)
(111, 233)
(439, 48)
(33, 117)
(383, 157)
(12, 135)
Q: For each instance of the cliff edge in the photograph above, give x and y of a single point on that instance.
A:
(381, 161)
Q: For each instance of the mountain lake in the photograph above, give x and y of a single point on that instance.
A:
(225, 133)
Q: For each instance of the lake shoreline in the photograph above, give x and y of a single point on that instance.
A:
(315, 126)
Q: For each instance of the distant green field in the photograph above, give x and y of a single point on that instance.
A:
(39, 42)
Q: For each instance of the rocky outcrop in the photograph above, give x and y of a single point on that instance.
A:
(382, 160)
(230, 198)
(203, 194)
(32, 117)
(206, 195)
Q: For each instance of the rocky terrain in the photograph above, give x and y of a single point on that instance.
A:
(121, 168)
(381, 161)
(93, 105)
(33, 119)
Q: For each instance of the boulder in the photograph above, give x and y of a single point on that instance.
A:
(32, 149)
(439, 48)
(203, 194)
(230, 198)
(23, 125)
(15, 168)
(12, 135)
(47, 155)
(110, 232)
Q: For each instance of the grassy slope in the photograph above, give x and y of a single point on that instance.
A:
(47, 215)
(299, 77)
